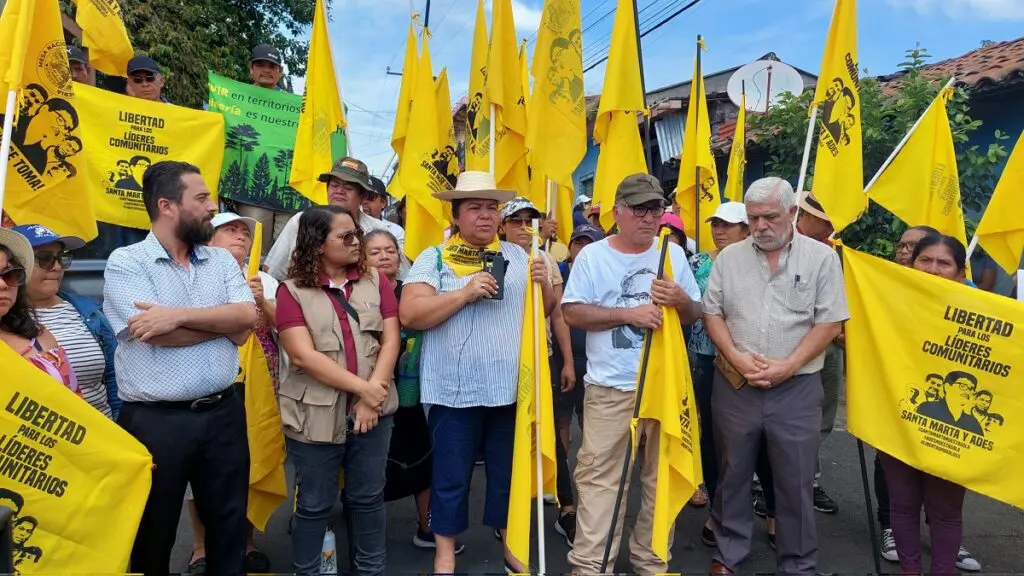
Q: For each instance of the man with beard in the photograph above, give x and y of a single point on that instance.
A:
(180, 310)
(773, 303)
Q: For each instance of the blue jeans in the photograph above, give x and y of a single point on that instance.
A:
(460, 434)
(317, 466)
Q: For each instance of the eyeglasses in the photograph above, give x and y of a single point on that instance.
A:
(46, 260)
(144, 78)
(352, 238)
(641, 211)
(13, 277)
(908, 246)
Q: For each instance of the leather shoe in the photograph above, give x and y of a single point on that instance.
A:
(719, 569)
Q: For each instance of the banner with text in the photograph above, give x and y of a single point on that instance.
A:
(933, 375)
(76, 482)
(123, 136)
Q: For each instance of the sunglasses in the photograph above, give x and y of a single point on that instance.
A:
(352, 238)
(13, 277)
(521, 220)
(46, 260)
(144, 78)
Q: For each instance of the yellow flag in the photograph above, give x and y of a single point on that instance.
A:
(556, 134)
(697, 156)
(267, 487)
(124, 136)
(478, 110)
(76, 481)
(46, 141)
(538, 181)
(1001, 230)
(404, 106)
(321, 115)
(737, 156)
(936, 384)
(104, 34)
(533, 359)
(426, 163)
(921, 186)
(669, 399)
(524, 73)
(839, 165)
(504, 86)
(615, 129)
(446, 146)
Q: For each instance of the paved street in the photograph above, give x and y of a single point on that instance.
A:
(994, 532)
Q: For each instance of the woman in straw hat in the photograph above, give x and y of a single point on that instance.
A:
(469, 365)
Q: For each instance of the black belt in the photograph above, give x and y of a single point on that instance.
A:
(203, 404)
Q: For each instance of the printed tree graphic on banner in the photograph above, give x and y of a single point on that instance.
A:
(283, 162)
(233, 182)
(243, 138)
(261, 179)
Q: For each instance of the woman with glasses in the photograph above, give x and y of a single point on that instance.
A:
(19, 329)
(338, 321)
(77, 322)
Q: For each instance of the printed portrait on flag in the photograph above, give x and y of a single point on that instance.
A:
(566, 48)
(933, 374)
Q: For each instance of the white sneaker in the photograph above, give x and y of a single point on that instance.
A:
(889, 546)
(965, 561)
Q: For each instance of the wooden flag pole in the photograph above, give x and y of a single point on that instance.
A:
(648, 155)
(807, 156)
(973, 245)
(5, 144)
(491, 155)
(698, 81)
(538, 316)
(906, 138)
(552, 209)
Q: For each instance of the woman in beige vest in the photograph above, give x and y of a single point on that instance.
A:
(338, 322)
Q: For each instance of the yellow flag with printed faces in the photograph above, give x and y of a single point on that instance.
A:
(267, 485)
(737, 156)
(104, 34)
(839, 163)
(922, 185)
(698, 195)
(933, 375)
(669, 399)
(1001, 230)
(478, 109)
(322, 115)
(124, 136)
(44, 171)
(533, 360)
(615, 129)
(76, 481)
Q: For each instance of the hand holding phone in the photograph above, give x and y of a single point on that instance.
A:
(495, 264)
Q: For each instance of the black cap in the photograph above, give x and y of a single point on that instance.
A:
(76, 54)
(143, 64)
(266, 52)
(379, 187)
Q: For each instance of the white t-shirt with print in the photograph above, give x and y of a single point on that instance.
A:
(602, 276)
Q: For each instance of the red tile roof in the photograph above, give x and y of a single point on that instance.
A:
(979, 69)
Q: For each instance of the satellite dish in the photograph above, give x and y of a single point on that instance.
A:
(765, 81)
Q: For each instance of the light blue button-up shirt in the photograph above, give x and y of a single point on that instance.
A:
(145, 272)
(472, 358)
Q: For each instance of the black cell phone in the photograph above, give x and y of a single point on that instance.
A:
(494, 264)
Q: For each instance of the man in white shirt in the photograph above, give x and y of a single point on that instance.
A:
(614, 295)
(348, 184)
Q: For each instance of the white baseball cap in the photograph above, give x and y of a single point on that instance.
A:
(583, 199)
(731, 212)
(228, 217)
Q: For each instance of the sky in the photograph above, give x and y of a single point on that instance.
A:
(368, 36)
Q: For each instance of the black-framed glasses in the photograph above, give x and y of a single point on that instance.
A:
(353, 238)
(13, 276)
(908, 246)
(46, 260)
(139, 79)
(641, 211)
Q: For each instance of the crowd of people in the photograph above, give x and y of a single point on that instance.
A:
(400, 377)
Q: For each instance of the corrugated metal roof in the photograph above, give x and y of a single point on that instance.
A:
(669, 129)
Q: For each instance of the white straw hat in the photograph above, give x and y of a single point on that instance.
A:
(474, 184)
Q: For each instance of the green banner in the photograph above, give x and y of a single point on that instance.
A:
(259, 129)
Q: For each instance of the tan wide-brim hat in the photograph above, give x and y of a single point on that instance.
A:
(479, 185)
(20, 247)
(810, 204)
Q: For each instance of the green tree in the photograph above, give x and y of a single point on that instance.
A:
(887, 113)
(261, 179)
(242, 137)
(233, 183)
(190, 37)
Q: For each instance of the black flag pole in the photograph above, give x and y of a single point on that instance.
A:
(696, 84)
(426, 15)
(648, 155)
(644, 361)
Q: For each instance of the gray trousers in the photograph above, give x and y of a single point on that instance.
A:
(789, 418)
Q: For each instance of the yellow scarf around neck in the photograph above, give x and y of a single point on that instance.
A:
(464, 258)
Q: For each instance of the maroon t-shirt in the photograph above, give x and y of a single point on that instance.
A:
(289, 313)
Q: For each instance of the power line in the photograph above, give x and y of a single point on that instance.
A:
(661, 23)
(596, 53)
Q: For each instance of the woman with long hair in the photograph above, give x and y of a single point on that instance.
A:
(338, 322)
(20, 330)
